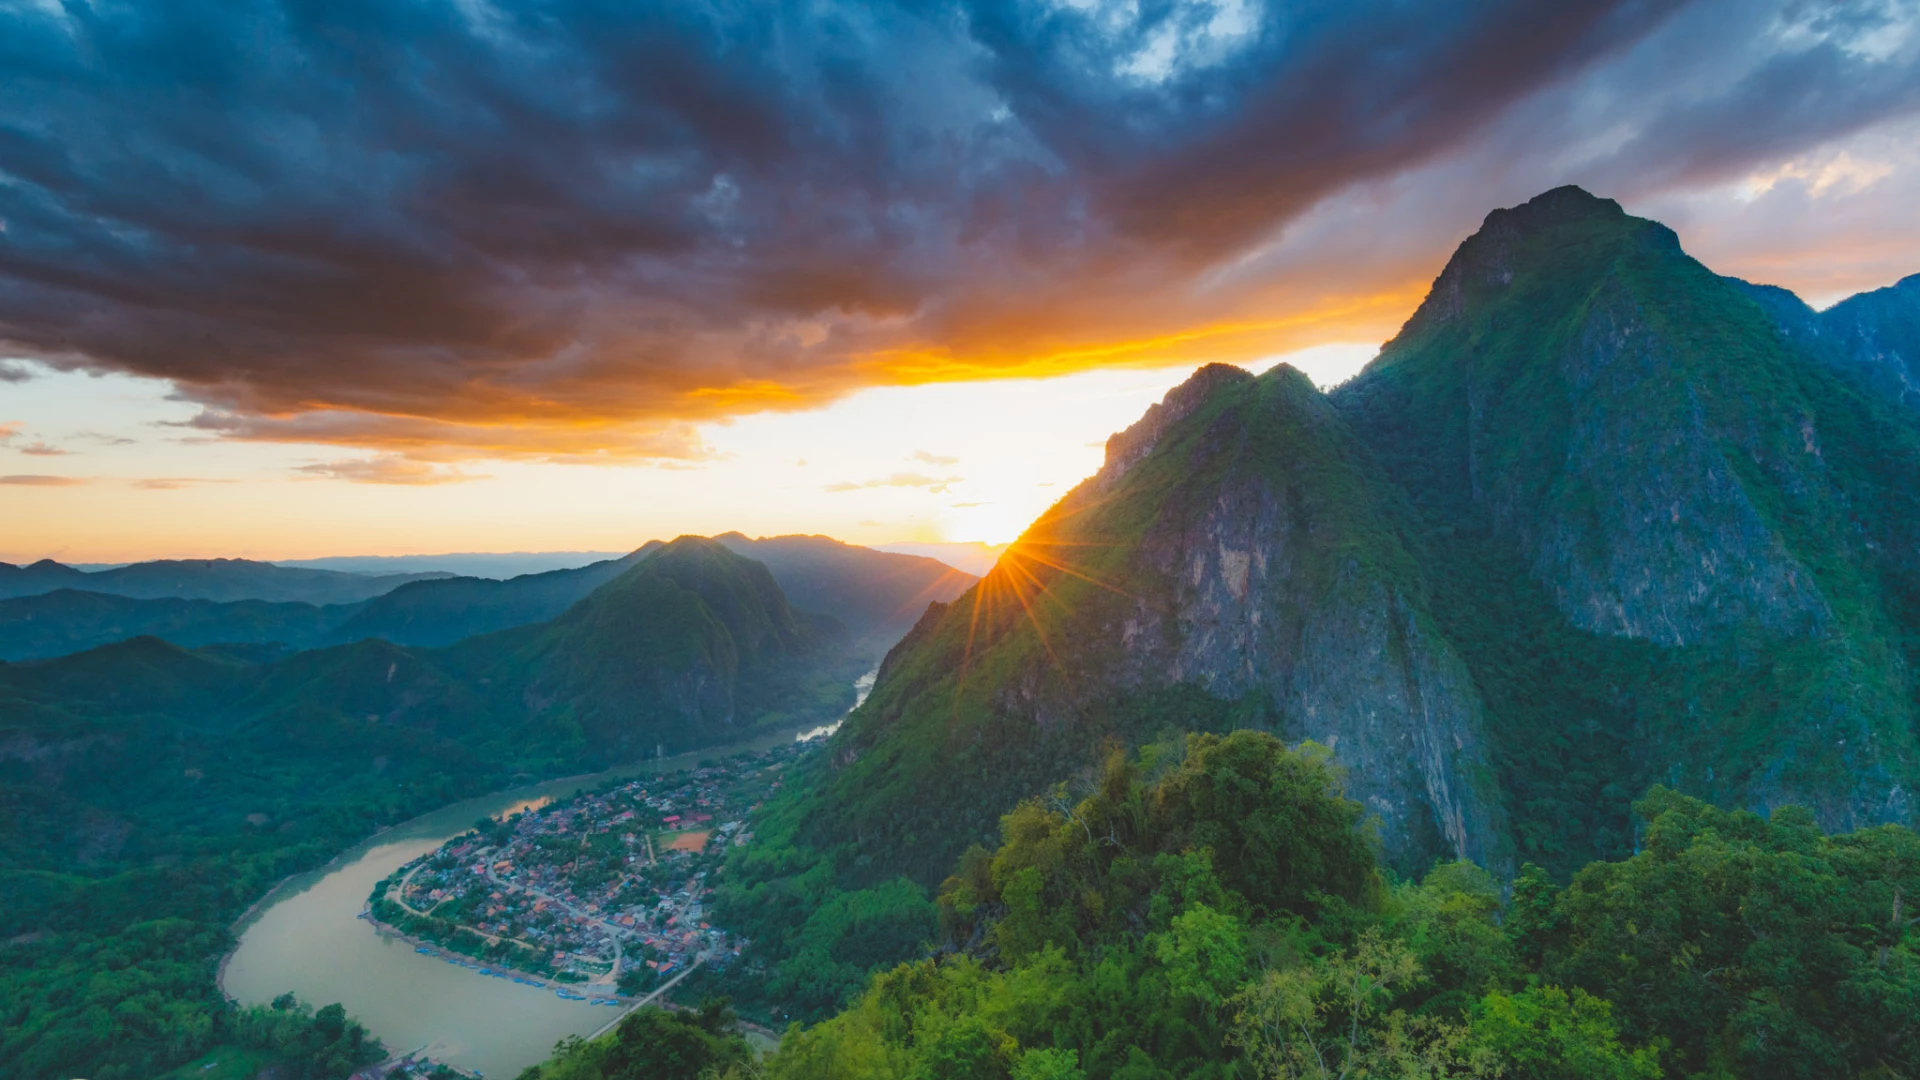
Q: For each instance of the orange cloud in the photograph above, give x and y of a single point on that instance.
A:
(41, 481)
(386, 469)
(935, 485)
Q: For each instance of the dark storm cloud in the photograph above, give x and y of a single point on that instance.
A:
(566, 228)
(1808, 74)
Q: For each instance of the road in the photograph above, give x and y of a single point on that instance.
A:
(399, 894)
(646, 1001)
(614, 931)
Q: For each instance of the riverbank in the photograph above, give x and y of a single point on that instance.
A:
(305, 936)
(425, 947)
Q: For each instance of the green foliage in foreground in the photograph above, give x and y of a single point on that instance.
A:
(655, 1044)
(1220, 916)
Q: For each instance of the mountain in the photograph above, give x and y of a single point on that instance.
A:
(691, 645)
(498, 565)
(1674, 542)
(1593, 520)
(68, 620)
(1874, 335)
(204, 579)
(40, 577)
(876, 595)
(685, 646)
(446, 610)
(974, 558)
(1234, 562)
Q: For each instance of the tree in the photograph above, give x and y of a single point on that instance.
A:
(1331, 1019)
(1546, 1033)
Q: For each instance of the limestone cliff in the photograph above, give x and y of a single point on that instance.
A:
(1233, 544)
(1666, 455)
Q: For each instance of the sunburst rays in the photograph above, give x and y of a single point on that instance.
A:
(1025, 581)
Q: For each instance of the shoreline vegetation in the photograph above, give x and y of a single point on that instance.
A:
(516, 798)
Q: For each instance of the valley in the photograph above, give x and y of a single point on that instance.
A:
(311, 937)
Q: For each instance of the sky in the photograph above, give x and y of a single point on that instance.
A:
(287, 280)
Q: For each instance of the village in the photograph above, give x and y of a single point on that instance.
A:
(599, 897)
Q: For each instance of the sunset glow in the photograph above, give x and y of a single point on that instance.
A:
(590, 334)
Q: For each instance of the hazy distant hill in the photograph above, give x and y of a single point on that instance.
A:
(497, 565)
(204, 579)
(689, 645)
(876, 595)
(974, 558)
(68, 620)
(445, 610)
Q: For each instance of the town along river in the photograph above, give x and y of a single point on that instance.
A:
(308, 937)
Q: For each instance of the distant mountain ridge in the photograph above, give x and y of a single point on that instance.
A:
(687, 646)
(204, 579)
(497, 565)
(1875, 335)
(875, 594)
(1596, 518)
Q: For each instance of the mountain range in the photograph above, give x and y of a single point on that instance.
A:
(875, 595)
(1597, 518)
(688, 645)
(205, 579)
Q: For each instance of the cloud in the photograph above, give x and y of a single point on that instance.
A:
(41, 481)
(172, 483)
(42, 449)
(10, 430)
(385, 469)
(935, 485)
(103, 438)
(969, 505)
(573, 231)
(934, 459)
(12, 371)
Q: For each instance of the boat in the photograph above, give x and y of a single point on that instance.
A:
(423, 950)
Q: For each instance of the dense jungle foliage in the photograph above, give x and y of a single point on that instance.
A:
(1215, 910)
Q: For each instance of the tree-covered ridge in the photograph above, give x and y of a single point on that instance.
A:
(1213, 909)
(1672, 543)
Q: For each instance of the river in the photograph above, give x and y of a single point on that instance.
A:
(307, 937)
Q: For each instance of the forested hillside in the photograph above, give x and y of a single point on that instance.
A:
(153, 792)
(1213, 908)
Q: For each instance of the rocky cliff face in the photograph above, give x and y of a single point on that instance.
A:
(1646, 530)
(1230, 544)
(1592, 436)
(1649, 443)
